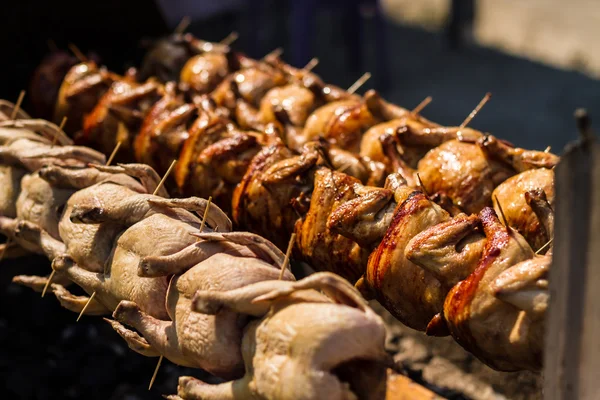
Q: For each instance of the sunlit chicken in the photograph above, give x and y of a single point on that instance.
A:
(411, 293)
(495, 314)
(340, 202)
(304, 344)
(463, 172)
(247, 87)
(510, 199)
(341, 123)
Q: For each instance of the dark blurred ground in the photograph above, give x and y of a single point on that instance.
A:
(45, 354)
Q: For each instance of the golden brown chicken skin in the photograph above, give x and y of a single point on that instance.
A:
(412, 294)
(510, 198)
(275, 192)
(495, 331)
(341, 123)
(463, 172)
(118, 116)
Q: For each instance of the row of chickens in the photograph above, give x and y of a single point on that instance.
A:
(376, 193)
(215, 299)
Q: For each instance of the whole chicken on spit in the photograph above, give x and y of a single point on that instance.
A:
(302, 344)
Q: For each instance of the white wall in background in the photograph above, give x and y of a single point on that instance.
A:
(562, 33)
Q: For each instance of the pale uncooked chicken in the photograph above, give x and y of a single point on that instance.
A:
(210, 342)
(306, 345)
(166, 226)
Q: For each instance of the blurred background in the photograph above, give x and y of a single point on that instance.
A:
(540, 59)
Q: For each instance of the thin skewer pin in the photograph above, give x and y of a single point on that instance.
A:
(359, 82)
(13, 116)
(422, 105)
(203, 223)
(80, 56)
(155, 372)
(114, 153)
(229, 39)
(421, 185)
(502, 213)
(286, 260)
(47, 285)
(544, 247)
(86, 305)
(311, 64)
(182, 25)
(164, 178)
(60, 128)
(473, 113)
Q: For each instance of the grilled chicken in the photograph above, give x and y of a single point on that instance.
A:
(79, 93)
(488, 313)
(217, 152)
(169, 55)
(510, 200)
(46, 81)
(341, 123)
(411, 293)
(164, 130)
(463, 172)
(319, 244)
(118, 116)
(274, 192)
(305, 345)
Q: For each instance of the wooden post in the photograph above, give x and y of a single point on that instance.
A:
(572, 344)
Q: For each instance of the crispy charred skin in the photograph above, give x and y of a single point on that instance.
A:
(412, 294)
(495, 332)
(316, 243)
(163, 132)
(512, 197)
(217, 153)
(274, 193)
(118, 116)
(79, 93)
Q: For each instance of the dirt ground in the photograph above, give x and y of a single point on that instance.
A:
(444, 366)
